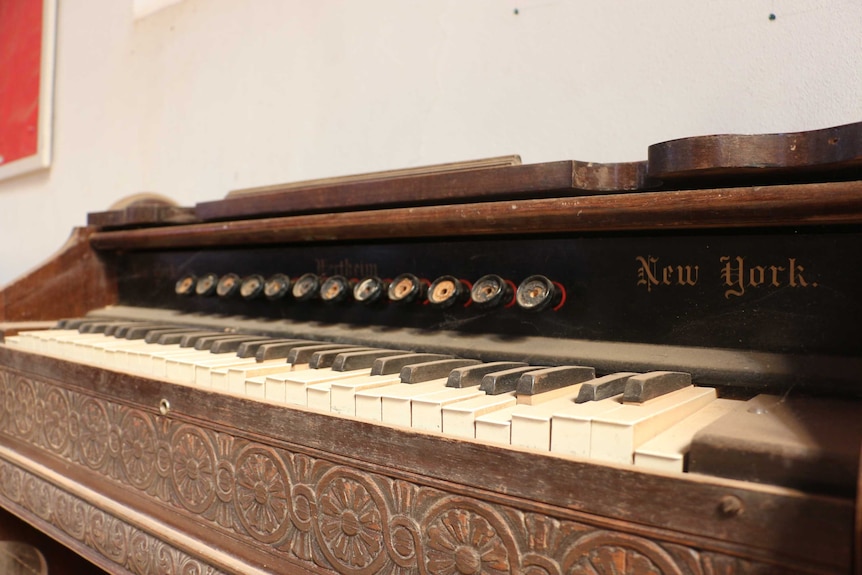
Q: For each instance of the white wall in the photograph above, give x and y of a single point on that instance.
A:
(211, 95)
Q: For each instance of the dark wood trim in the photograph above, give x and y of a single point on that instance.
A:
(834, 148)
(857, 550)
(770, 206)
(76, 279)
(567, 178)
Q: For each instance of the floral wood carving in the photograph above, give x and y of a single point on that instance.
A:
(290, 508)
(135, 550)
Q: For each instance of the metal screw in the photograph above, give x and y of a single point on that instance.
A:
(164, 406)
(731, 506)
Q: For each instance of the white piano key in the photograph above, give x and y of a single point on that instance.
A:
(531, 423)
(495, 427)
(320, 394)
(427, 410)
(667, 451)
(571, 425)
(616, 435)
(369, 402)
(105, 353)
(395, 403)
(317, 396)
(298, 389)
(181, 369)
(237, 376)
(459, 419)
(343, 393)
(15, 341)
(156, 362)
(231, 378)
(64, 346)
(256, 387)
(296, 383)
(274, 387)
(204, 369)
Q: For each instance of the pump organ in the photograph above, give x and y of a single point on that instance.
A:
(478, 368)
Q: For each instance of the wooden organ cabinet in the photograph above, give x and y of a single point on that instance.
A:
(479, 368)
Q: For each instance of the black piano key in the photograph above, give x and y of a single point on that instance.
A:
(504, 381)
(646, 386)
(86, 326)
(605, 387)
(140, 331)
(121, 331)
(279, 349)
(231, 343)
(543, 380)
(322, 359)
(205, 343)
(154, 335)
(472, 375)
(111, 330)
(73, 323)
(433, 369)
(63, 323)
(96, 326)
(395, 363)
(354, 360)
(187, 339)
(302, 355)
(249, 348)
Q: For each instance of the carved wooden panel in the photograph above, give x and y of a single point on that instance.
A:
(288, 508)
(125, 545)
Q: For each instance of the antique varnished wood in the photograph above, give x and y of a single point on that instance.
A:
(143, 476)
(810, 204)
(142, 209)
(515, 182)
(834, 150)
(76, 279)
(60, 560)
(191, 468)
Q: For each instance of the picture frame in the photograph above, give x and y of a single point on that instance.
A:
(27, 51)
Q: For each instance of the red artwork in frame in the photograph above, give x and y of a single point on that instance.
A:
(26, 84)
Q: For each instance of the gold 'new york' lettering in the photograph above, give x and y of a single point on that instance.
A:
(650, 274)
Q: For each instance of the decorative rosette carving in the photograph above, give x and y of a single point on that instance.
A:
(56, 424)
(70, 515)
(110, 536)
(350, 518)
(301, 506)
(603, 552)
(193, 469)
(464, 537)
(37, 496)
(23, 406)
(11, 479)
(5, 390)
(93, 433)
(262, 494)
(140, 552)
(138, 449)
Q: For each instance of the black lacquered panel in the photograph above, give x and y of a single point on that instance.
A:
(783, 291)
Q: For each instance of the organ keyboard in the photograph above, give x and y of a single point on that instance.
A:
(561, 368)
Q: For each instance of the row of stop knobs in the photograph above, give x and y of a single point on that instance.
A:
(535, 293)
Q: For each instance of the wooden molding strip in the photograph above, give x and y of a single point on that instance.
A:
(155, 529)
(771, 206)
(491, 184)
(835, 148)
(382, 176)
